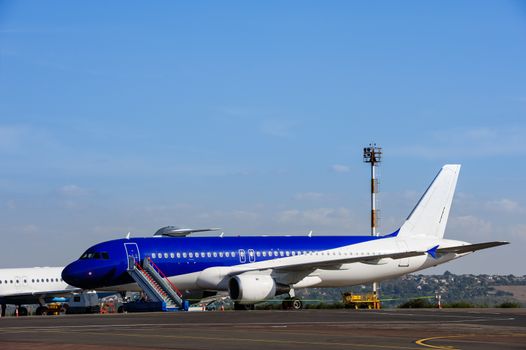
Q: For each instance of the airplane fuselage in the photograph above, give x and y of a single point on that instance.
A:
(204, 263)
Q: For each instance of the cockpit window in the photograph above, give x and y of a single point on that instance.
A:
(95, 255)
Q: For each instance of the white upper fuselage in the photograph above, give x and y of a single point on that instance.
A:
(31, 281)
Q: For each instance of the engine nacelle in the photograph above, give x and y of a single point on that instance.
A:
(250, 289)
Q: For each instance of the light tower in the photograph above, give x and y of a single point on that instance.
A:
(373, 155)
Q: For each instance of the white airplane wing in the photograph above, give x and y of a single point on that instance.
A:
(471, 247)
(57, 293)
(316, 261)
(313, 261)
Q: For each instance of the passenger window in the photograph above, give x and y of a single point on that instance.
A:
(166, 255)
(227, 254)
(190, 255)
(233, 254)
(220, 254)
(184, 255)
(154, 255)
(159, 255)
(275, 253)
(208, 254)
(178, 255)
(105, 255)
(202, 255)
(172, 255)
(214, 254)
(196, 254)
(264, 253)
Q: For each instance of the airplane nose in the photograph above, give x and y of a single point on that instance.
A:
(70, 275)
(85, 275)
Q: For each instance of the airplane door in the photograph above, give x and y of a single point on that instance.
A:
(132, 250)
(402, 247)
(251, 255)
(20, 283)
(242, 256)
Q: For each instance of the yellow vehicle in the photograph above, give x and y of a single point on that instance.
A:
(361, 301)
(55, 309)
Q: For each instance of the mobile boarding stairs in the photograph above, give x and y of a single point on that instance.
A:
(155, 285)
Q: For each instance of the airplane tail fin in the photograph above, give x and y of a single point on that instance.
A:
(429, 217)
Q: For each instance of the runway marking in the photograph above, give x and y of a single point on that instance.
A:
(272, 324)
(269, 341)
(423, 341)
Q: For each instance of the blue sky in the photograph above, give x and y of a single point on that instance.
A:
(251, 116)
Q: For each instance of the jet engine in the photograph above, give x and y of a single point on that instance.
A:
(249, 289)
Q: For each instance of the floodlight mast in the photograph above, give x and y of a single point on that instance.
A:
(373, 155)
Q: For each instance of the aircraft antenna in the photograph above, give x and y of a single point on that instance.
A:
(373, 155)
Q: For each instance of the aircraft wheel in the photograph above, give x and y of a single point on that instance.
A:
(22, 311)
(296, 304)
(42, 311)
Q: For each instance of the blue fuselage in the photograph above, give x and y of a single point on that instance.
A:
(105, 265)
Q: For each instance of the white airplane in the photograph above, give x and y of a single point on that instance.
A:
(35, 285)
(253, 269)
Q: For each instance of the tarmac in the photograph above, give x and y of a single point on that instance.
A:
(306, 329)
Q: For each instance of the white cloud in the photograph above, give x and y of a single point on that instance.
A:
(73, 191)
(472, 142)
(277, 128)
(505, 205)
(340, 168)
(237, 215)
(470, 226)
(309, 196)
(318, 218)
(11, 137)
(519, 231)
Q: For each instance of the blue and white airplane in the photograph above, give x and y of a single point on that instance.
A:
(252, 269)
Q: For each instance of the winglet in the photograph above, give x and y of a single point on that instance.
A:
(433, 252)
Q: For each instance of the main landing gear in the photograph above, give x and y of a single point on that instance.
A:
(292, 304)
(42, 311)
(22, 311)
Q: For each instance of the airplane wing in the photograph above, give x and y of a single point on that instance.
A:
(313, 261)
(58, 292)
(470, 247)
(310, 262)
